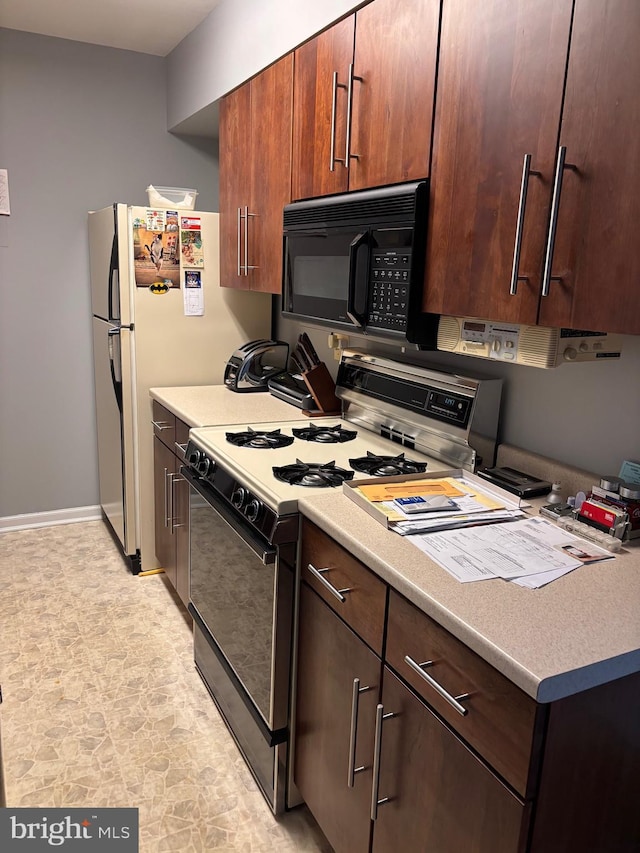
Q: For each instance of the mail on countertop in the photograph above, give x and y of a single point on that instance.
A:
(531, 552)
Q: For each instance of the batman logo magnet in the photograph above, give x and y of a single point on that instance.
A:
(159, 287)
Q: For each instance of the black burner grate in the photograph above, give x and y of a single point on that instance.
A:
(325, 434)
(385, 466)
(313, 474)
(259, 439)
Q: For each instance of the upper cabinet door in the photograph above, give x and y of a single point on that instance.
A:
(393, 90)
(320, 111)
(271, 116)
(255, 178)
(595, 268)
(499, 98)
(235, 181)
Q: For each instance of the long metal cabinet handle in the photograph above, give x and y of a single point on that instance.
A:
(524, 186)
(347, 148)
(161, 425)
(334, 101)
(375, 802)
(247, 265)
(166, 499)
(353, 732)
(174, 478)
(338, 593)
(547, 278)
(239, 240)
(454, 701)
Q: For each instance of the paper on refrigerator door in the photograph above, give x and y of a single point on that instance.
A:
(5, 207)
(193, 293)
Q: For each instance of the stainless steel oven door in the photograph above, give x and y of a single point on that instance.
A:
(242, 591)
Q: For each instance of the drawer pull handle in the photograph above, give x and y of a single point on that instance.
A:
(161, 425)
(375, 802)
(454, 701)
(353, 732)
(339, 593)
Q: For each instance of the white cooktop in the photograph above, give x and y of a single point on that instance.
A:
(253, 466)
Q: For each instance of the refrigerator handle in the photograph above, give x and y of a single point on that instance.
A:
(113, 271)
(117, 383)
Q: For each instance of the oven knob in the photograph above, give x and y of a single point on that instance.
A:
(238, 497)
(204, 465)
(194, 457)
(252, 510)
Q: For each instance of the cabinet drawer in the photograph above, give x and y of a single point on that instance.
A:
(500, 720)
(363, 608)
(164, 424)
(181, 439)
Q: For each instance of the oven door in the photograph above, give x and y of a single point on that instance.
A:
(241, 591)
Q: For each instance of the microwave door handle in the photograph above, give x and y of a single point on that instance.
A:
(357, 319)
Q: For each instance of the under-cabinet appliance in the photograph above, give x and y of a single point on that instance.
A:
(143, 336)
(534, 346)
(245, 485)
(356, 261)
(254, 363)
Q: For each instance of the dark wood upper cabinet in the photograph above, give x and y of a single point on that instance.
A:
(597, 256)
(255, 178)
(235, 180)
(500, 77)
(503, 113)
(363, 99)
(321, 68)
(395, 57)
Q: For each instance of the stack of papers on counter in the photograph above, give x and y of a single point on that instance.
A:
(469, 539)
(472, 505)
(531, 552)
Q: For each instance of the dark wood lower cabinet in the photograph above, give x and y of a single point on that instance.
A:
(164, 466)
(171, 495)
(441, 797)
(509, 776)
(330, 657)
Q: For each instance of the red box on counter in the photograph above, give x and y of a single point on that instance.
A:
(601, 514)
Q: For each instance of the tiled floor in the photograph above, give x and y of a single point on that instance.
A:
(103, 706)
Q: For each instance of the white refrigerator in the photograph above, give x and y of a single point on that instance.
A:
(150, 330)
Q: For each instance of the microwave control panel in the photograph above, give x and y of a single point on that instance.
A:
(389, 279)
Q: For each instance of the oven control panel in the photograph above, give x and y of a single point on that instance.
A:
(219, 487)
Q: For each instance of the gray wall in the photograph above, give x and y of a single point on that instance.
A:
(236, 40)
(586, 415)
(80, 127)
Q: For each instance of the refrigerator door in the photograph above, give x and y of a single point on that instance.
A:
(109, 259)
(115, 457)
(112, 349)
(173, 348)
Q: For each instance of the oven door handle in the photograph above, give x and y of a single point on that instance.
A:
(264, 552)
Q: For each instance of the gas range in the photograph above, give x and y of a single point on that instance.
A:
(245, 484)
(248, 471)
(396, 418)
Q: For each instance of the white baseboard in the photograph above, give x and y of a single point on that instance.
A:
(49, 519)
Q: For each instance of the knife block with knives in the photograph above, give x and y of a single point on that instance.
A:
(316, 376)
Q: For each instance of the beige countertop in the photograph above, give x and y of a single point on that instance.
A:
(575, 633)
(217, 405)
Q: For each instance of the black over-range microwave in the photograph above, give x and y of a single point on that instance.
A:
(355, 261)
